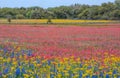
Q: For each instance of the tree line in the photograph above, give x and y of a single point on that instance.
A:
(105, 11)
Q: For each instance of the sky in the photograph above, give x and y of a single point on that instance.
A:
(48, 3)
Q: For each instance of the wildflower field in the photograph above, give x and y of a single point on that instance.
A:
(59, 52)
(54, 21)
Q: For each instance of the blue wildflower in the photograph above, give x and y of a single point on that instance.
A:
(18, 54)
(118, 77)
(81, 65)
(0, 74)
(94, 76)
(114, 72)
(49, 62)
(5, 50)
(101, 74)
(29, 52)
(80, 74)
(12, 55)
(17, 71)
(23, 70)
(107, 76)
(6, 71)
(89, 67)
(37, 76)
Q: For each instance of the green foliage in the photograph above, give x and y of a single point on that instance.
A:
(109, 11)
(20, 16)
(35, 15)
(117, 2)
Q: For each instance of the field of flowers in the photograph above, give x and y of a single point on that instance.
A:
(59, 52)
(55, 21)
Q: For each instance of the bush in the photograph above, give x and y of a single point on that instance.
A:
(49, 21)
(9, 17)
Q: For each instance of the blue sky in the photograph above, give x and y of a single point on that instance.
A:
(48, 3)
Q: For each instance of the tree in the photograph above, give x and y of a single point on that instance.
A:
(117, 2)
(20, 16)
(115, 15)
(36, 15)
(84, 14)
